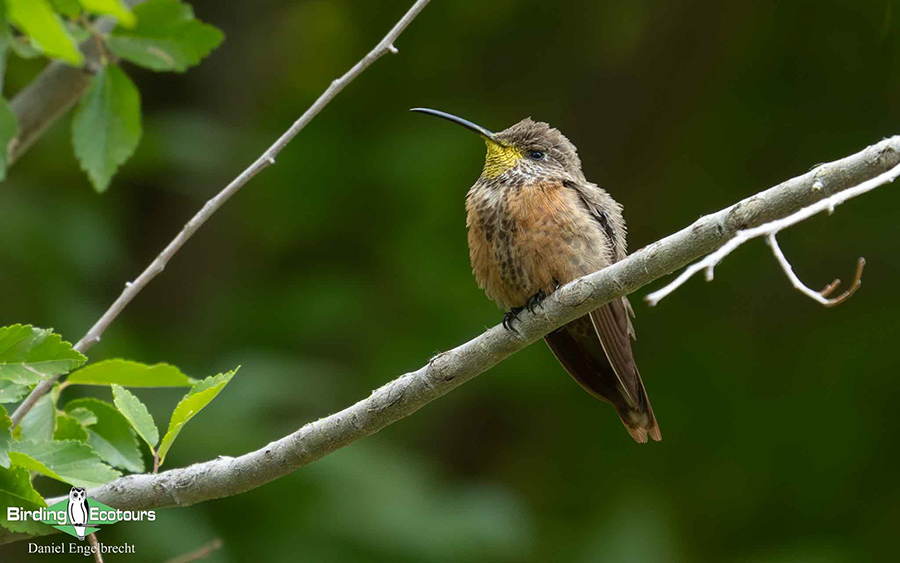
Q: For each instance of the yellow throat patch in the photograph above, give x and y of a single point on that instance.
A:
(499, 159)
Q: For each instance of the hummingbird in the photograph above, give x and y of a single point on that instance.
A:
(535, 223)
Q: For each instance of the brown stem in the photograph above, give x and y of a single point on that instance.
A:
(92, 539)
(197, 554)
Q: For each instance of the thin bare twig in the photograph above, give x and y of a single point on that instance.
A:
(267, 159)
(709, 263)
(197, 554)
(92, 539)
(817, 296)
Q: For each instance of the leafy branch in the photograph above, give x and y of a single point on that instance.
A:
(160, 35)
(87, 441)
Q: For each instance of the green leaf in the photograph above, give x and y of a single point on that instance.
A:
(166, 37)
(67, 460)
(16, 491)
(29, 355)
(113, 8)
(130, 374)
(213, 381)
(69, 428)
(9, 128)
(37, 19)
(83, 416)
(68, 8)
(111, 436)
(39, 423)
(12, 392)
(5, 437)
(137, 414)
(198, 397)
(106, 126)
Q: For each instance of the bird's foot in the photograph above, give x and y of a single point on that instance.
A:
(510, 316)
(535, 301)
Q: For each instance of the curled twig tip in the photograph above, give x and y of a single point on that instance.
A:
(857, 282)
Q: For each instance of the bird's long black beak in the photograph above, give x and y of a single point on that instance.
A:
(459, 121)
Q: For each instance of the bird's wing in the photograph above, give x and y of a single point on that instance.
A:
(577, 348)
(608, 214)
(613, 326)
(612, 321)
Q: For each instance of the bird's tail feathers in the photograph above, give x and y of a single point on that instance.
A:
(640, 422)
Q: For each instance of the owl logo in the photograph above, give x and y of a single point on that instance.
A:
(78, 510)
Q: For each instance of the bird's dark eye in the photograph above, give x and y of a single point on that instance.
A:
(536, 155)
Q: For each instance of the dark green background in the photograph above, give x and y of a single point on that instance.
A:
(346, 265)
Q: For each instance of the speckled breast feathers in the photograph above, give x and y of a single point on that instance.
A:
(536, 224)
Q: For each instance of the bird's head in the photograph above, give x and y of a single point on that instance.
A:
(529, 151)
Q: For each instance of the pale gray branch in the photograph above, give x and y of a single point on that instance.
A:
(401, 397)
(771, 229)
(386, 45)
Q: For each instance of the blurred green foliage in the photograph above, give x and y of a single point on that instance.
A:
(345, 265)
